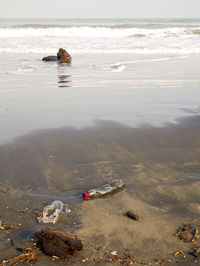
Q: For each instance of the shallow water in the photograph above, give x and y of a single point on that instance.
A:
(128, 71)
(124, 88)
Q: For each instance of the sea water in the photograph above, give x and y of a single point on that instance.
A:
(125, 70)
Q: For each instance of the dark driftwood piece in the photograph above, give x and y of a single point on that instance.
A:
(132, 215)
(63, 57)
(50, 58)
(56, 243)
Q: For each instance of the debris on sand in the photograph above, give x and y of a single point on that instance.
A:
(7, 228)
(195, 234)
(30, 255)
(38, 214)
(114, 253)
(23, 211)
(57, 243)
(2, 227)
(178, 253)
(132, 215)
(3, 190)
(103, 190)
(52, 212)
(195, 252)
(188, 233)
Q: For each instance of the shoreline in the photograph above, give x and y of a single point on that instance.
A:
(159, 166)
(35, 95)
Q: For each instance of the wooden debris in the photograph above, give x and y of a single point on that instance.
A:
(31, 255)
(57, 243)
(132, 215)
(196, 231)
(195, 252)
(188, 233)
(38, 214)
(23, 211)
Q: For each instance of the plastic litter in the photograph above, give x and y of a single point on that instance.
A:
(105, 189)
(2, 227)
(178, 252)
(52, 212)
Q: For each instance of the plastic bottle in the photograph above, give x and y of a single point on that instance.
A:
(105, 189)
(51, 212)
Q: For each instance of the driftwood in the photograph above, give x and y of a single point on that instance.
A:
(31, 255)
(63, 57)
(195, 234)
(132, 215)
(56, 243)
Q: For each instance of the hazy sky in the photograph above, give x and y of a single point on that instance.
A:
(99, 8)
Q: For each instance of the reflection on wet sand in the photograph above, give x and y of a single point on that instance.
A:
(160, 167)
(64, 81)
(63, 78)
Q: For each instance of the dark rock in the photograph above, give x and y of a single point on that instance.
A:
(63, 57)
(57, 243)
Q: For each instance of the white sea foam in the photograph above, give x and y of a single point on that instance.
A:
(117, 67)
(96, 38)
(65, 32)
(26, 68)
(104, 32)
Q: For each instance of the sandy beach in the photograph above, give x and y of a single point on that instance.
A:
(127, 107)
(161, 172)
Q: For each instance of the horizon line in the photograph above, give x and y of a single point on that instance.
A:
(107, 18)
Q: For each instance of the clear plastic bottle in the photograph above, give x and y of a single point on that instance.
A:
(105, 189)
(52, 212)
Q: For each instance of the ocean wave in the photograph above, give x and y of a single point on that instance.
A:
(90, 32)
(176, 40)
(103, 50)
(107, 23)
(194, 31)
(138, 35)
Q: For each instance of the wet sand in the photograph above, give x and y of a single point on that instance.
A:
(161, 170)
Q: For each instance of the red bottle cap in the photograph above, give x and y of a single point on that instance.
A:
(85, 195)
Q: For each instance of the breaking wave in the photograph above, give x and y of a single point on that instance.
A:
(85, 31)
(108, 38)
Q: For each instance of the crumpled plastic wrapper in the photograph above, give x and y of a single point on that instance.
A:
(52, 212)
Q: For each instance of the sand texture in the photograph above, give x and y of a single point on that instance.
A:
(161, 171)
